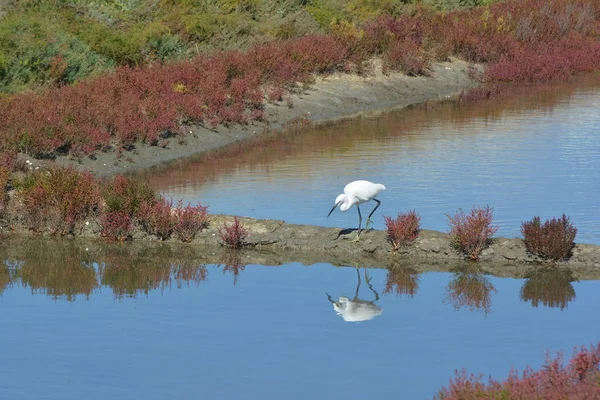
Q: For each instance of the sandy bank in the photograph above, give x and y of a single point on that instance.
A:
(330, 98)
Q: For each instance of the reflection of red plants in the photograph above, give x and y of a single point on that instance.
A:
(402, 281)
(187, 273)
(470, 289)
(233, 264)
(579, 379)
(233, 235)
(235, 270)
(554, 239)
(550, 286)
(472, 233)
(189, 221)
(402, 229)
(116, 225)
(6, 278)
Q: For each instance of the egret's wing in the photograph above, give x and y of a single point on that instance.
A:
(363, 190)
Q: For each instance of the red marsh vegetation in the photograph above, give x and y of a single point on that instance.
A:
(579, 379)
(523, 42)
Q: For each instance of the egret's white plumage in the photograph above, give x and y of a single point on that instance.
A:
(358, 192)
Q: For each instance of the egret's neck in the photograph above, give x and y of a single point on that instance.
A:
(346, 204)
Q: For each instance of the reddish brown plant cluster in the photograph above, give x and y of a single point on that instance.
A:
(59, 199)
(116, 225)
(233, 235)
(402, 229)
(189, 220)
(578, 380)
(554, 239)
(472, 232)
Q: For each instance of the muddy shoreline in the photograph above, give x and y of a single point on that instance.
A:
(274, 242)
(331, 98)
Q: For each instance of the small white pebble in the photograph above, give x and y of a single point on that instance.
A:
(104, 165)
(87, 222)
(86, 249)
(190, 131)
(37, 167)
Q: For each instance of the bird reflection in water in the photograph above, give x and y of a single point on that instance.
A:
(356, 310)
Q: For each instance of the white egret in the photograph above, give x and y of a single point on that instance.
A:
(358, 192)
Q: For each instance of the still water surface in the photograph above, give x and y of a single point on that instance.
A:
(112, 326)
(533, 154)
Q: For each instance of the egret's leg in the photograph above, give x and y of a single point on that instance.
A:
(359, 224)
(369, 217)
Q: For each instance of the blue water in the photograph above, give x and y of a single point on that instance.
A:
(274, 334)
(534, 155)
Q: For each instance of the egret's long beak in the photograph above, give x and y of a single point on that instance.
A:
(334, 207)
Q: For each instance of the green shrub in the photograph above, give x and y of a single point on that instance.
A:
(36, 52)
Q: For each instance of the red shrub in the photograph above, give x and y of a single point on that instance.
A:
(116, 225)
(580, 379)
(7, 162)
(406, 57)
(402, 229)
(553, 240)
(126, 195)
(60, 199)
(157, 218)
(472, 233)
(317, 53)
(189, 221)
(233, 235)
